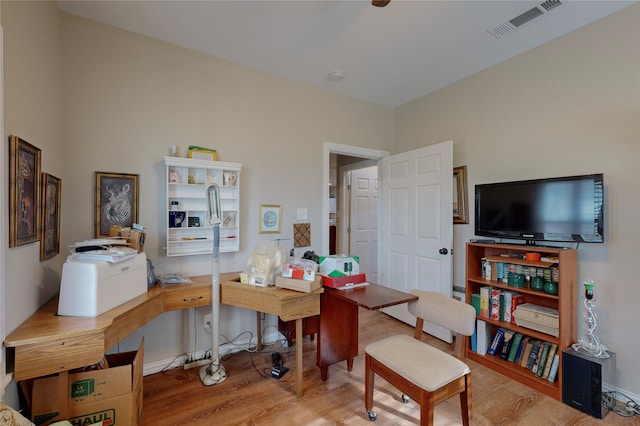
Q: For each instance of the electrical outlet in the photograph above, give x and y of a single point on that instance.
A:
(208, 321)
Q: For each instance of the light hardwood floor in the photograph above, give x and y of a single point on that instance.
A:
(177, 397)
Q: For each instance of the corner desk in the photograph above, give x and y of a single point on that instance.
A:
(47, 343)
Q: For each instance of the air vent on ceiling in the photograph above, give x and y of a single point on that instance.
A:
(513, 24)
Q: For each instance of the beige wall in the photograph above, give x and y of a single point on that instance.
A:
(569, 107)
(32, 111)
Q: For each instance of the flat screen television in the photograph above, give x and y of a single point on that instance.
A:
(564, 209)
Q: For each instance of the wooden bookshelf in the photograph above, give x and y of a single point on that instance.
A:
(564, 302)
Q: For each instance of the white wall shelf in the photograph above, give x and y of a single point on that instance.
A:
(188, 229)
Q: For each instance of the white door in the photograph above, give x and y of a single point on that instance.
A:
(417, 225)
(363, 220)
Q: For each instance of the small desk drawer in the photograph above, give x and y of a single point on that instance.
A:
(187, 297)
(41, 359)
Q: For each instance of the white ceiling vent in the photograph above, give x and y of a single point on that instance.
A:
(511, 25)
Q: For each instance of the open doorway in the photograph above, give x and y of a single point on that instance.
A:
(340, 161)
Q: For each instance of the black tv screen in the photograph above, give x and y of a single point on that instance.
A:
(556, 209)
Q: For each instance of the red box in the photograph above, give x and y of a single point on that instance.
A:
(335, 282)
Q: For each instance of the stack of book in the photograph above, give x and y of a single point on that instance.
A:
(497, 304)
(538, 356)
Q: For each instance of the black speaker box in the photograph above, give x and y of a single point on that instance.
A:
(582, 379)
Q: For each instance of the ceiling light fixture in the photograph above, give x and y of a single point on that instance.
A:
(336, 76)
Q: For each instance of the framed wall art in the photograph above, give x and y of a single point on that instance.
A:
(270, 218)
(460, 198)
(51, 196)
(24, 192)
(116, 201)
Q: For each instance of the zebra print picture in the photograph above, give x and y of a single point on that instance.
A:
(116, 201)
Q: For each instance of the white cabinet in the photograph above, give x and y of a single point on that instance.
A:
(188, 229)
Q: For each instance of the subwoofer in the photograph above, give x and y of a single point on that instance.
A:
(582, 379)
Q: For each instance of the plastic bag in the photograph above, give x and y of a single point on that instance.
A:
(264, 263)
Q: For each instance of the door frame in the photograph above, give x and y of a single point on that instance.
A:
(329, 148)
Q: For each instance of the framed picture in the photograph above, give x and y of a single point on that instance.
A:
(24, 192)
(51, 196)
(270, 217)
(460, 198)
(116, 201)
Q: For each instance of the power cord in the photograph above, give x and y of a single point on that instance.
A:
(630, 408)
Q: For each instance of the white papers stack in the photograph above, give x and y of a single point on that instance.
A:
(111, 250)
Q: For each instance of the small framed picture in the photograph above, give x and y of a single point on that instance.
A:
(270, 218)
(24, 192)
(116, 201)
(460, 211)
(51, 196)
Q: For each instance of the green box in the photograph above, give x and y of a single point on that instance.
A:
(82, 388)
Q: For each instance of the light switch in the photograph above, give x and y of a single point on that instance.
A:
(302, 214)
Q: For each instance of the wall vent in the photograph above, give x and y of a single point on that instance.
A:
(513, 24)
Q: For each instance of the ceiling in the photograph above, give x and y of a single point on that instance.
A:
(387, 56)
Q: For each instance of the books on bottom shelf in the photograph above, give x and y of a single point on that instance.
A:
(535, 355)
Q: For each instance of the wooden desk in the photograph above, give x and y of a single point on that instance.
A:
(287, 304)
(338, 333)
(47, 343)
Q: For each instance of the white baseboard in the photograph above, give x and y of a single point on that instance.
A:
(608, 388)
(225, 349)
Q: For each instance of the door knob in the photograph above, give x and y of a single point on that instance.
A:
(443, 251)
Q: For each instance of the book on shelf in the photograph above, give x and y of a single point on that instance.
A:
(521, 349)
(533, 355)
(516, 299)
(485, 295)
(496, 343)
(494, 313)
(554, 368)
(475, 302)
(515, 345)
(473, 340)
(538, 367)
(547, 367)
(483, 331)
(525, 352)
(505, 306)
(507, 342)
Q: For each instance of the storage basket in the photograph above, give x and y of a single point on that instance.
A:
(539, 318)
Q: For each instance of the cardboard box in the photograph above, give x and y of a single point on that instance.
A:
(112, 395)
(339, 265)
(304, 286)
(134, 237)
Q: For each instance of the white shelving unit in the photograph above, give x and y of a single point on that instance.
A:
(188, 229)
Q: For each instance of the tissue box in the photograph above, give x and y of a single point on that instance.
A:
(339, 265)
(92, 287)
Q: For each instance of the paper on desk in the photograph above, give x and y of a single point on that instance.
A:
(350, 286)
(109, 254)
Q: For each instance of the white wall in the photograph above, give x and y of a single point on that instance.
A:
(569, 107)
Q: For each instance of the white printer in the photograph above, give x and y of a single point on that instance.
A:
(91, 287)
